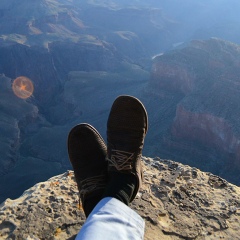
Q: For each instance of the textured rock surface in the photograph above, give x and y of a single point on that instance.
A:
(176, 202)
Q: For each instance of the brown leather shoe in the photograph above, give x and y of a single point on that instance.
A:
(126, 129)
(87, 152)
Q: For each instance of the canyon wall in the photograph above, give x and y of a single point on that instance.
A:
(81, 55)
(206, 121)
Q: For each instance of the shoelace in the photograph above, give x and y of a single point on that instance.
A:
(121, 160)
(90, 184)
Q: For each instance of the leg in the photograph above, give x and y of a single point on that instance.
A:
(112, 218)
(87, 152)
(126, 129)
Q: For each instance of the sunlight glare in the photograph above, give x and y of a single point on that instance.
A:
(22, 87)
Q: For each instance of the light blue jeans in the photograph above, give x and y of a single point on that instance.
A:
(111, 219)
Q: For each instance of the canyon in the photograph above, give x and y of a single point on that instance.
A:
(206, 74)
(81, 56)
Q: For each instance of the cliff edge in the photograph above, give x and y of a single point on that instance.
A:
(176, 202)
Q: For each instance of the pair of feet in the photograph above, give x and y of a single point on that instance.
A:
(112, 170)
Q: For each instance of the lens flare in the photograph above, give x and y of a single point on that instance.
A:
(23, 87)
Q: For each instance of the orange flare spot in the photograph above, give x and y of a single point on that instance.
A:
(23, 87)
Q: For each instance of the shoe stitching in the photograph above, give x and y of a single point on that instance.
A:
(91, 184)
(121, 160)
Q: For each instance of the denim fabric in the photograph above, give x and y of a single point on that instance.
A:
(111, 219)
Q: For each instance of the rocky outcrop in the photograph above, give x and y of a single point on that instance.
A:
(38, 18)
(205, 74)
(19, 118)
(48, 68)
(208, 129)
(176, 202)
(35, 63)
(144, 26)
(195, 65)
(148, 23)
(175, 77)
(90, 55)
(13, 111)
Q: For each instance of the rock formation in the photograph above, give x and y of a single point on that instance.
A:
(205, 76)
(13, 111)
(81, 55)
(176, 202)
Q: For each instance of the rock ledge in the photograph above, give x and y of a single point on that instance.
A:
(176, 201)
